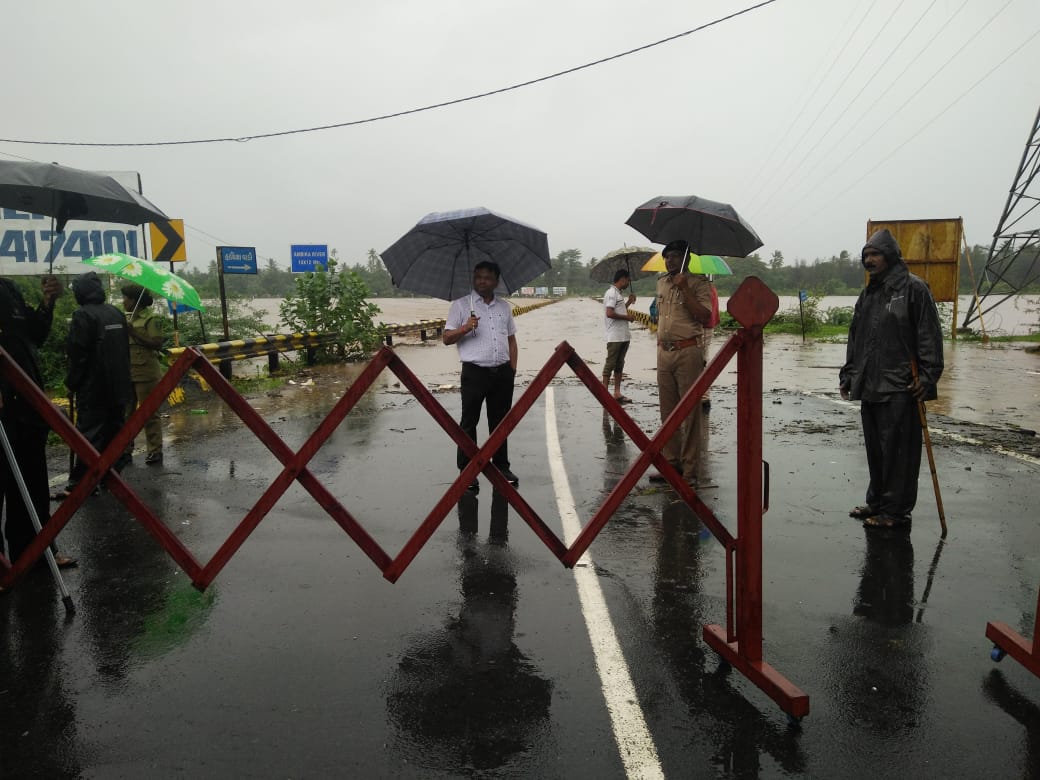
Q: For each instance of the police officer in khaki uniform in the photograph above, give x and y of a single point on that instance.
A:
(684, 310)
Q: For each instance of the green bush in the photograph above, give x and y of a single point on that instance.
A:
(839, 315)
(334, 301)
(793, 320)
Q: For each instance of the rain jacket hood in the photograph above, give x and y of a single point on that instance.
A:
(88, 289)
(97, 349)
(895, 323)
(884, 242)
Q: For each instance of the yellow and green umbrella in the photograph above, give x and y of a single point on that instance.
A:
(709, 265)
(151, 276)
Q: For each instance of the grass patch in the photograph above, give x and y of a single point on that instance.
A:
(822, 330)
(1033, 338)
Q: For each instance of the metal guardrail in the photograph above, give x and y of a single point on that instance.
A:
(224, 352)
(424, 327)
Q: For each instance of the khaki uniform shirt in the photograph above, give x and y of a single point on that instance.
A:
(146, 337)
(675, 323)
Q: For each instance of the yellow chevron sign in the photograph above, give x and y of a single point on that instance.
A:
(168, 241)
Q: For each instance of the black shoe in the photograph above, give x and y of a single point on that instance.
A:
(512, 478)
(153, 459)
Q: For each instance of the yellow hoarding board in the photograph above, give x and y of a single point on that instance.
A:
(931, 249)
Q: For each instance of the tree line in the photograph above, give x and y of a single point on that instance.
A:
(839, 274)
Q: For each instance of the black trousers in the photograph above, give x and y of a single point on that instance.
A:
(99, 425)
(892, 435)
(29, 443)
(493, 386)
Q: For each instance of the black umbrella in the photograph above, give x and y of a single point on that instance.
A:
(437, 256)
(64, 193)
(631, 258)
(711, 228)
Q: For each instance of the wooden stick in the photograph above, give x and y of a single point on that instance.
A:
(922, 415)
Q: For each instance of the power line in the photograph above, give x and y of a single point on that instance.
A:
(895, 112)
(874, 164)
(819, 84)
(394, 115)
(827, 57)
(10, 154)
(803, 172)
(856, 123)
(830, 100)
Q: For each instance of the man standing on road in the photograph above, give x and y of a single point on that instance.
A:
(616, 319)
(23, 329)
(146, 338)
(482, 326)
(98, 372)
(894, 359)
(684, 309)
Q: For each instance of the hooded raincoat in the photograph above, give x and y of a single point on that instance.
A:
(98, 348)
(98, 352)
(23, 329)
(895, 327)
(895, 321)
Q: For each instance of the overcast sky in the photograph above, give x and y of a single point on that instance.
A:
(809, 117)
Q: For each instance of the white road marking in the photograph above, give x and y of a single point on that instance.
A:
(635, 744)
(935, 431)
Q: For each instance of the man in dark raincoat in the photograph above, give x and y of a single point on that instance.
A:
(23, 329)
(893, 361)
(98, 350)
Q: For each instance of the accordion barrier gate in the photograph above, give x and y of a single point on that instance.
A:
(738, 643)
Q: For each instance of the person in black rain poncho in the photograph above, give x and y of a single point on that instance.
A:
(23, 329)
(98, 350)
(893, 361)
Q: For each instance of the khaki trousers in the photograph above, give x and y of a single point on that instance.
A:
(676, 373)
(153, 426)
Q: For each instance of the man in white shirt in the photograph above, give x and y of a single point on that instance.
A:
(482, 326)
(616, 319)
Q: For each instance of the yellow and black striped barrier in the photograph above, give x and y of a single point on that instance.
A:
(224, 352)
(422, 327)
(239, 349)
(425, 327)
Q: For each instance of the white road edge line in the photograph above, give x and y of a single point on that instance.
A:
(634, 741)
(947, 434)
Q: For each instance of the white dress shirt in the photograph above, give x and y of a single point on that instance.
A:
(488, 345)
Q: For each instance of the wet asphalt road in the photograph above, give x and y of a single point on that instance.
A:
(302, 661)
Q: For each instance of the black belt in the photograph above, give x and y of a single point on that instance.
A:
(489, 369)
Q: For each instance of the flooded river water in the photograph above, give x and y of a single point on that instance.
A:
(994, 384)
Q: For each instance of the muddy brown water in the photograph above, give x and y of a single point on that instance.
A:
(997, 384)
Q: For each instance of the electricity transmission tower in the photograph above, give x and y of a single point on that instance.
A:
(1015, 246)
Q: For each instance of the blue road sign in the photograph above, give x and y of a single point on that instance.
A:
(803, 296)
(179, 308)
(307, 257)
(238, 259)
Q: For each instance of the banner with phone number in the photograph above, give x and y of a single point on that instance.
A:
(25, 239)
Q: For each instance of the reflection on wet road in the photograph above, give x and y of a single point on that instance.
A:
(465, 697)
(301, 660)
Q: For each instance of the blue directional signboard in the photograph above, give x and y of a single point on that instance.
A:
(307, 257)
(237, 259)
(178, 308)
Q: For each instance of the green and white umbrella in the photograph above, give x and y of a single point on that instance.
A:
(152, 276)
